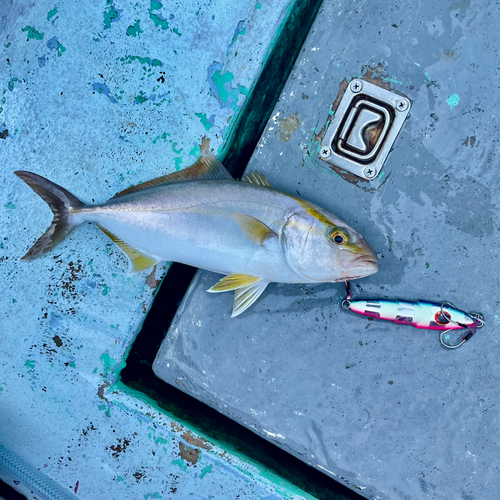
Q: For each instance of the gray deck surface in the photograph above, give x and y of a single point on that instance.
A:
(382, 407)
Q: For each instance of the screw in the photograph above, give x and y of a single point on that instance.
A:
(356, 86)
(369, 172)
(325, 152)
(402, 104)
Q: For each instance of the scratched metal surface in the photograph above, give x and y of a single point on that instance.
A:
(379, 406)
(99, 96)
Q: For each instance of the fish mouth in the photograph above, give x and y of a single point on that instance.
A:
(365, 259)
(362, 266)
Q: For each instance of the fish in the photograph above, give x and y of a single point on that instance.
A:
(244, 229)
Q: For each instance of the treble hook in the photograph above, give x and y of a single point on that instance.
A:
(478, 324)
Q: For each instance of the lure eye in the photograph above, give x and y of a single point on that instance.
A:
(339, 237)
(442, 318)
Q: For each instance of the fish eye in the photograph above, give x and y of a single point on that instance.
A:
(339, 237)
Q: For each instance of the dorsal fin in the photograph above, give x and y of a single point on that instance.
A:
(257, 179)
(207, 167)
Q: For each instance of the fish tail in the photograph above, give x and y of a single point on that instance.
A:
(61, 202)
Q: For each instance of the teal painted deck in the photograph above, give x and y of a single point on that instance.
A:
(98, 97)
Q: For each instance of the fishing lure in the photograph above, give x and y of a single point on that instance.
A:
(421, 314)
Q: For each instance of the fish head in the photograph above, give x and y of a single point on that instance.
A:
(322, 248)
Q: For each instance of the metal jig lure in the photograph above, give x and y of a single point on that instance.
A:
(428, 315)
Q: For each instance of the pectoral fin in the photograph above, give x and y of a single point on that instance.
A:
(253, 229)
(139, 261)
(247, 290)
(233, 282)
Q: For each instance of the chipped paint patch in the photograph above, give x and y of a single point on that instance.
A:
(51, 13)
(189, 454)
(157, 18)
(53, 44)
(110, 16)
(392, 80)
(198, 442)
(135, 29)
(33, 34)
(206, 122)
(100, 88)
(221, 86)
(453, 100)
(143, 60)
(151, 280)
(288, 126)
(240, 30)
(206, 470)
(177, 163)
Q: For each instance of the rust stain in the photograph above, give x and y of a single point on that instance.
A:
(176, 427)
(191, 455)
(66, 286)
(139, 475)
(199, 442)
(151, 280)
(102, 388)
(205, 143)
(89, 428)
(376, 80)
(68, 281)
(121, 447)
(342, 88)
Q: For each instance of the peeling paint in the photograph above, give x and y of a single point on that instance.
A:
(100, 88)
(189, 454)
(53, 44)
(453, 100)
(51, 13)
(221, 86)
(239, 31)
(198, 442)
(135, 29)
(110, 16)
(143, 60)
(288, 126)
(33, 34)
(206, 122)
(157, 18)
(206, 470)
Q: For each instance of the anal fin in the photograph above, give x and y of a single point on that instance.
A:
(139, 261)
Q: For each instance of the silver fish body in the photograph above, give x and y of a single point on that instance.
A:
(203, 218)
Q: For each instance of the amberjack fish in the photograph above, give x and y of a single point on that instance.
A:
(202, 217)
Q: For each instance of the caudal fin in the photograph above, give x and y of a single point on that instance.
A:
(61, 202)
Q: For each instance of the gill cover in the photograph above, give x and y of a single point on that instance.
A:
(307, 249)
